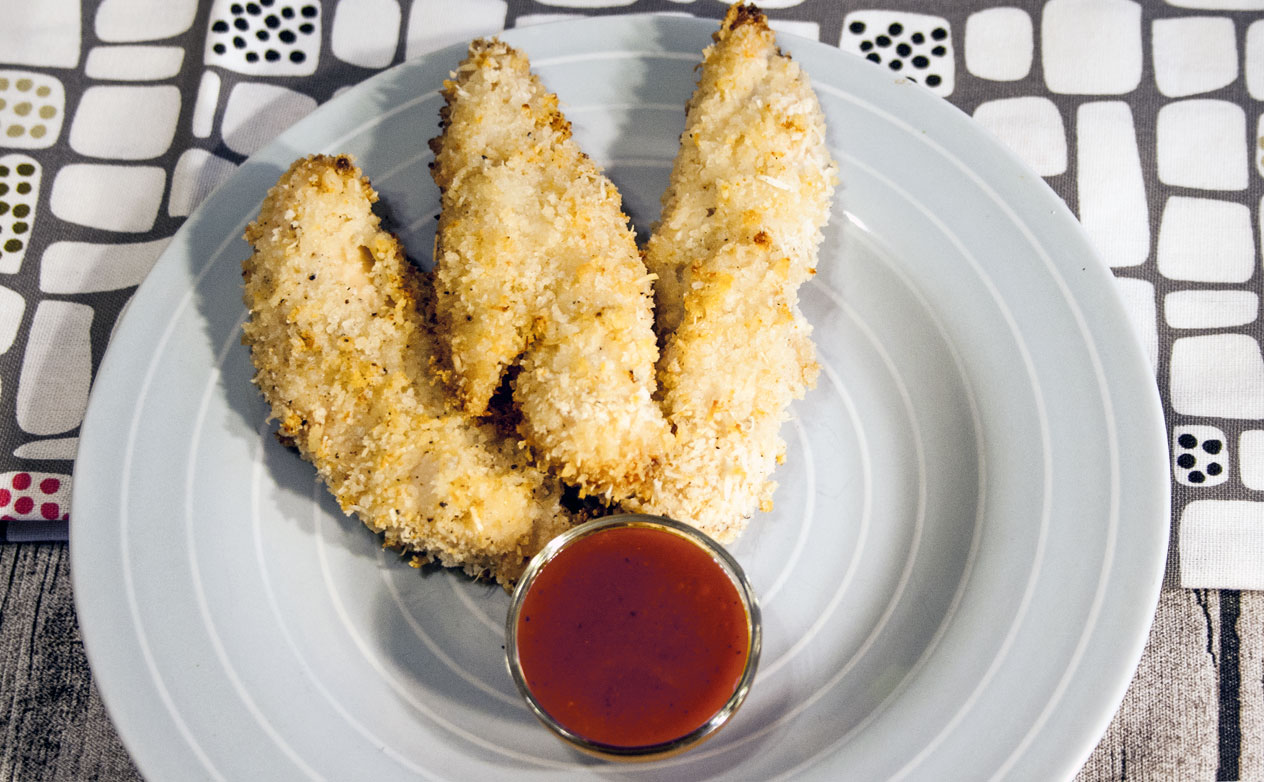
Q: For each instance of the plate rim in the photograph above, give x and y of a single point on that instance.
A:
(1148, 401)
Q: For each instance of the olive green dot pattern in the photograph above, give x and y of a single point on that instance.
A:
(19, 192)
(32, 108)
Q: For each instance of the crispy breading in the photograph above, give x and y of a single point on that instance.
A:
(741, 221)
(537, 268)
(340, 337)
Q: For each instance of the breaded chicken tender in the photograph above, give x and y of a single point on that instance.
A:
(340, 337)
(537, 271)
(741, 221)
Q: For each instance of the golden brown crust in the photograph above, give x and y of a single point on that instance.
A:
(339, 335)
(538, 280)
(537, 269)
(741, 222)
(740, 14)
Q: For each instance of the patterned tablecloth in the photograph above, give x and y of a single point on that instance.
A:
(117, 117)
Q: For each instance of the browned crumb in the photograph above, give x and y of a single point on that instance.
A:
(339, 337)
(741, 222)
(537, 269)
(539, 286)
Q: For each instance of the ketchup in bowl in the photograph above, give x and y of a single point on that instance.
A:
(633, 636)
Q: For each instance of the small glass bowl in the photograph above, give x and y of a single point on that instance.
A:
(726, 564)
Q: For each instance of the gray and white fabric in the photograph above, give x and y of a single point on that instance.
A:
(118, 117)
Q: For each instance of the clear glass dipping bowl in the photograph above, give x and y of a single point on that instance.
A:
(725, 563)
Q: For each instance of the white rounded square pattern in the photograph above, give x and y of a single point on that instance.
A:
(1138, 299)
(85, 267)
(1210, 309)
(916, 46)
(1031, 127)
(48, 448)
(1253, 56)
(999, 44)
(590, 3)
(134, 63)
(1193, 55)
(125, 21)
(32, 109)
(265, 37)
(1202, 143)
(205, 104)
(1251, 458)
(366, 32)
(1218, 375)
(108, 197)
(45, 34)
(1220, 544)
(1091, 47)
(1110, 185)
(1206, 240)
(125, 122)
(1200, 455)
(12, 308)
(256, 113)
(56, 368)
(1220, 5)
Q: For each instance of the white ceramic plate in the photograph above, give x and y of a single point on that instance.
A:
(957, 579)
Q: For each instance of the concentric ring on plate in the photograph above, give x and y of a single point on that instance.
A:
(971, 637)
(803, 639)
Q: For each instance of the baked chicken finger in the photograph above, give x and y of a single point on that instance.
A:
(537, 272)
(339, 335)
(749, 192)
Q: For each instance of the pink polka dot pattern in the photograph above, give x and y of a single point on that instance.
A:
(34, 496)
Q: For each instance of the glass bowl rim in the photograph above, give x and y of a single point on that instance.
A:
(717, 553)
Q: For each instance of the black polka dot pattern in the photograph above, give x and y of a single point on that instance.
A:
(275, 37)
(916, 46)
(1199, 456)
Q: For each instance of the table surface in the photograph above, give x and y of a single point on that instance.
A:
(1141, 116)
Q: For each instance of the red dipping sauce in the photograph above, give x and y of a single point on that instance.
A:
(633, 636)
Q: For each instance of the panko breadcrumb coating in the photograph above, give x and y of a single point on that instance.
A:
(741, 222)
(339, 335)
(536, 267)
